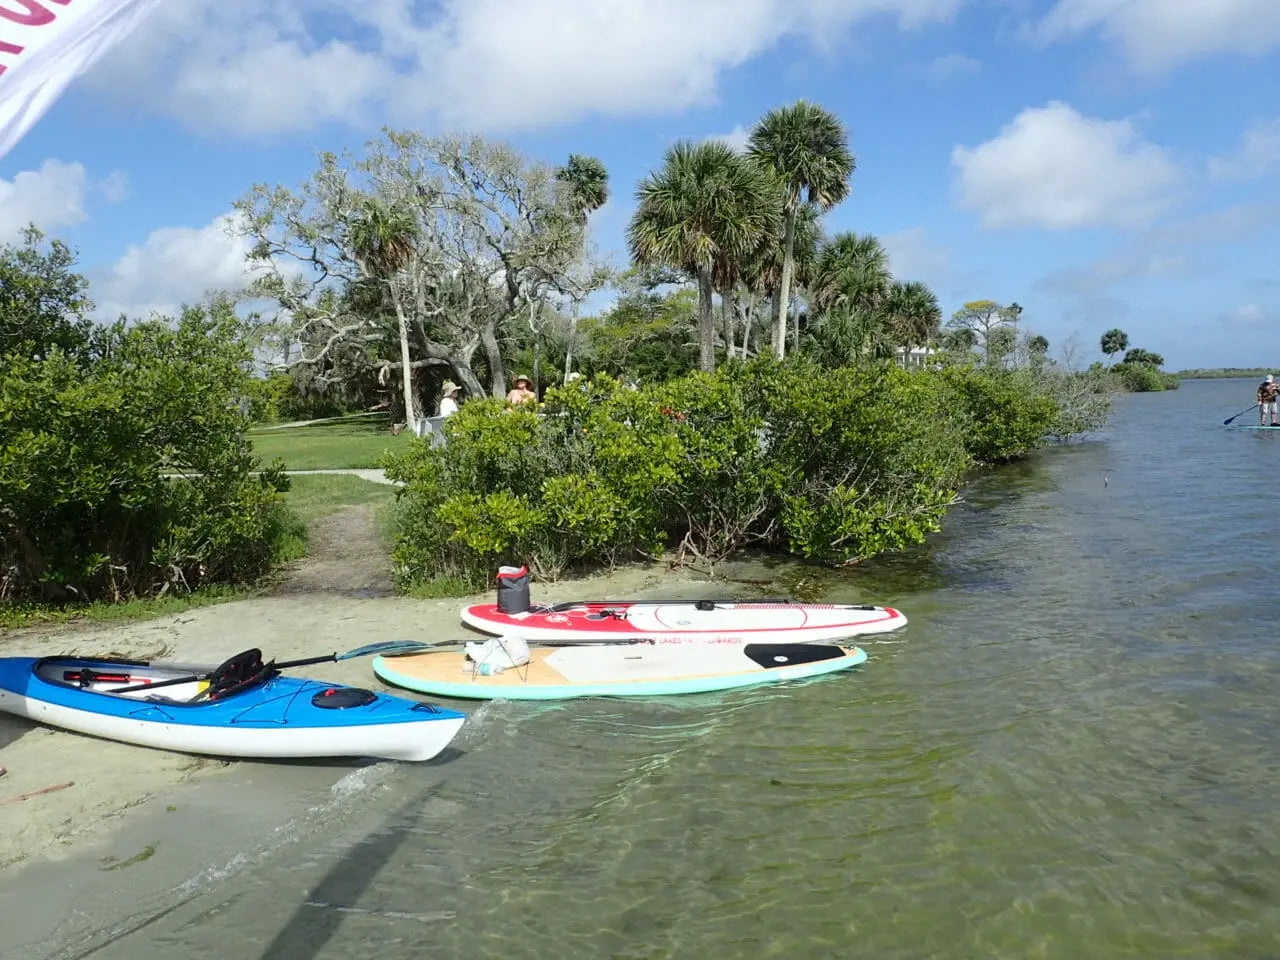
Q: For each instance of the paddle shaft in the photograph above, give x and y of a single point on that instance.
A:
(394, 646)
(1241, 413)
(193, 679)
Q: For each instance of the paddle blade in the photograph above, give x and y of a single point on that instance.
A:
(390, 647)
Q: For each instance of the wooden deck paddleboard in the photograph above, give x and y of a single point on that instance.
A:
(618, 669)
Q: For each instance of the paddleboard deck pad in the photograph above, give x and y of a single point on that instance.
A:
(640, 669)
(733, 621)
(279, 717)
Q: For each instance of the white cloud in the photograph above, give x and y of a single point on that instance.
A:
(913, 257)
(115, 187)
(1160, 34)
(1100, 276)
(1172, 251)
(952, 65)
(736, 138)
(1229, 225)
(245, 67)
(173, 266)
(1257, 156)
(51, 198)
(1250, 316)
(1056, 169)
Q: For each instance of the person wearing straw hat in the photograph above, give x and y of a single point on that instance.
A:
(448, 399)
(521, 392)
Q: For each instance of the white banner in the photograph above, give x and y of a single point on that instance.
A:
(45, 44)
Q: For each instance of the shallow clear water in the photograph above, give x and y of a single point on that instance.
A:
(1072, 751)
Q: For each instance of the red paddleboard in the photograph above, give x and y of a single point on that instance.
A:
(688, 621)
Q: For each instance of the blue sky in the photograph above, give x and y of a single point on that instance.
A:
(1101, 162)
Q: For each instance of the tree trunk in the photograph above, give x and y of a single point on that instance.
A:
(784, 287)
(406, 374)
(795, 331)
(573, 333)
(497, 372)
(726, 322)
(773, 315)
(468, 379)
(706, 324)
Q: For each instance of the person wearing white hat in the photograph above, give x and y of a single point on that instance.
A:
(448, 398)
(1268, 390)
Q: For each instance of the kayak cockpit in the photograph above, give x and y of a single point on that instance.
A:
(108, 677)
(138, 680)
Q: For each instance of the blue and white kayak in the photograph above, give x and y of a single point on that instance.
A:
(267, 715)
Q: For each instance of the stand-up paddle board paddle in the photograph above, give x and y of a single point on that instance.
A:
(613, 669)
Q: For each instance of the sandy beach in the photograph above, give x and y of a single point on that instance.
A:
(113, 782)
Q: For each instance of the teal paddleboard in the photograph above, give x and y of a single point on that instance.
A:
(1254, 426)
(634, 669)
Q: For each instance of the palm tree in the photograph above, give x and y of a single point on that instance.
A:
(852, 272)
(1114, 341)
(588, 182)
(384, 239)
(762, 271)
(849, 335)
(807, 149)
(913, 314)
(706, 203)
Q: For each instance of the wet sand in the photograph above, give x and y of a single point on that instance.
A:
(115, 785)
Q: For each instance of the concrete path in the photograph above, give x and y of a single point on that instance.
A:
(306, 423)
(375, 476)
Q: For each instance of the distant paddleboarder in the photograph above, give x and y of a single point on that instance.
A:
(1268, 390)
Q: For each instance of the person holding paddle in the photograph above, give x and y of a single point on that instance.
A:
(1268, 390)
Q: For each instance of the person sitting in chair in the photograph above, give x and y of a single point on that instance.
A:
(521, 392)
(448, 399)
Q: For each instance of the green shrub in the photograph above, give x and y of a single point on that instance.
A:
(87, 440)
(576, 485)
(1005, 412)
(1143, 378)
(832, 465)
(1082, 400)
(866, 459)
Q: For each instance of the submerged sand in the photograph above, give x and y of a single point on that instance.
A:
(112, 782)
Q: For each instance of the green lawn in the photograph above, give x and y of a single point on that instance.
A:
(340, 444)
(309, 498)
(319, 495)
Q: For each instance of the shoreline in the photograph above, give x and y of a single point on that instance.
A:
(116, 785)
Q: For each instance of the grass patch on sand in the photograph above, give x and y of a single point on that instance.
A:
(316, 496)
(309, 499)
(349, 443)
(13, 616)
